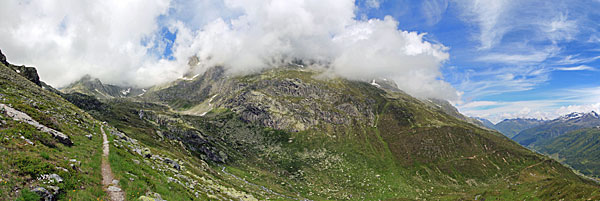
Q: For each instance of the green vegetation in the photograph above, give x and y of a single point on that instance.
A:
(28, 156)
(27, 195)
(284, 134)
(578, 149)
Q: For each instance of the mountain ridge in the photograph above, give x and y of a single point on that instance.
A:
(294, 134)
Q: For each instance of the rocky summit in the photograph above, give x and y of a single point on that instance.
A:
(289, 133)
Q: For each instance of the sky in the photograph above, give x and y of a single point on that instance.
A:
(494, 59)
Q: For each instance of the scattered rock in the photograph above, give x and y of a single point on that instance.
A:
(89, 136)
(61, 168)
(51, 177)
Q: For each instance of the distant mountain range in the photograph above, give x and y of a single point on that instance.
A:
(573, 139)
(554, 128)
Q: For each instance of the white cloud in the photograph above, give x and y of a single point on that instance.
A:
(433, 10)
(488, 15)
(495, 19)
(68, 39)
(372, 3)
(560, 28)
(117, 42)
(576, 59)
(269, 34)
(576, 68)
(492, 81)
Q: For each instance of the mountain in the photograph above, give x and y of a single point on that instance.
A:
(512, 127)
(283, 134)
(94, 87)
(292, 130)
(557, 127)
(579, 149)
(486, 123)
(449, 109)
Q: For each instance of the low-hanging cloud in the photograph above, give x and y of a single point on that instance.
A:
(113, 41)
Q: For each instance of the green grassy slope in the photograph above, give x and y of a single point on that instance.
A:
(22, 163)
(385, 146)
(579, 149)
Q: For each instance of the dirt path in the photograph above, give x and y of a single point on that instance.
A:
(111, 186)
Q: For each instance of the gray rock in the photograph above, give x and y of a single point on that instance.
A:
(3, 59)
(114, 189)
(46, 194)
(23, 117)
(89, 136)
(56, 178)
(51, 177)
(146, 153)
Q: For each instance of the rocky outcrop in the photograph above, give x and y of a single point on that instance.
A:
(193, 139)
(46, 194)
(21, 116)
(28, 72)
(297, 104)
(3, 59)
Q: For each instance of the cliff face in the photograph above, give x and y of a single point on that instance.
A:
(28, 72)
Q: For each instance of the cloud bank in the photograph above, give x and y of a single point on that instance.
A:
(124, 42)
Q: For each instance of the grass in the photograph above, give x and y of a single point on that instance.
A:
(395, 149)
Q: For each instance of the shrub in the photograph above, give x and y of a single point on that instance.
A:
(27, 195)
(45, 155)
(27, 165)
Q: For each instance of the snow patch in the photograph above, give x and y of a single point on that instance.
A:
(192, 78)
(125, 92)
(211, 99)
(375, 84)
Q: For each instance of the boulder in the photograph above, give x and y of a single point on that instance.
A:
(46, 194)
(146, 153)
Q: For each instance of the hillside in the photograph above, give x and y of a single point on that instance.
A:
(285, 134)
(298, 134)
(486, 123)
(579, 149)
(512, 127)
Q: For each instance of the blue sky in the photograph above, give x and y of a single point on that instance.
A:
(494, 59)
(510, 58)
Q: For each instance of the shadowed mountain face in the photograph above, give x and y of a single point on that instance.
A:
(486, 123)
(287, 133)
(512, 127)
